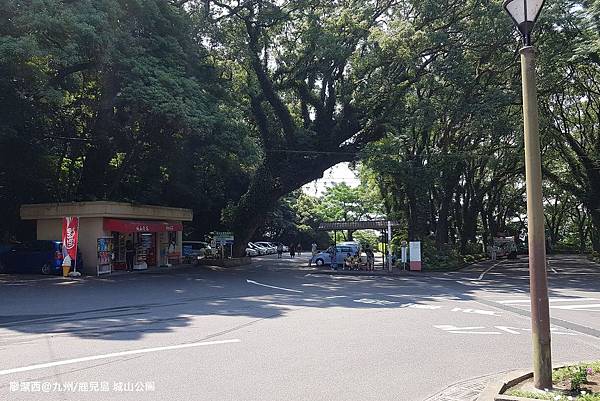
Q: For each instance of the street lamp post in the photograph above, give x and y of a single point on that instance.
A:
(524, 14)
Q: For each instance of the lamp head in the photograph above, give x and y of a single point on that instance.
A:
(524, 14)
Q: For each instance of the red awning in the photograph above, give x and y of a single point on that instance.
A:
(133, 226)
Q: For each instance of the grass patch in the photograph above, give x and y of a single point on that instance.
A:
(531, 394)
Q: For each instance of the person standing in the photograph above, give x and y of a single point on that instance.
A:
(348, 262)
(313, 248)
(299, 249)
(129, 254)
(333, 254)
(279, 250)
(370, 258)
(292, 251)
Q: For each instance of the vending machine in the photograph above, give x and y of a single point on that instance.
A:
(105, 255)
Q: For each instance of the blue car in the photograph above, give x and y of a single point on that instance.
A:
(40, 256)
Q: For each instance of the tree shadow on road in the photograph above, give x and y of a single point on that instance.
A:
(126, 308)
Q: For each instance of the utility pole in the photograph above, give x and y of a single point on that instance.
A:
(524, 14)
(540, 311)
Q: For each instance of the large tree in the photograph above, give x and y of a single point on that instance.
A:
(314, 75)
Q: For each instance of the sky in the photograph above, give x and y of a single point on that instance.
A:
(335, 175)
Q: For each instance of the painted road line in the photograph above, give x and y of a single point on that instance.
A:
(508, 329)
(596, 307)
(551, 268)
(551, 300)
(272, 286)
(375, 301)
(465, 330)
(113, 355)
(476, 311)
(488, 269)
(503, 330)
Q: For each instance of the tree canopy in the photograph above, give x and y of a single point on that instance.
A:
(228, 107)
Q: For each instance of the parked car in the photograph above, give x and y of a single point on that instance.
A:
(192, 251)
(268, 246)
(341, 251)
(261, 250)
(251, 252)
(39, 256)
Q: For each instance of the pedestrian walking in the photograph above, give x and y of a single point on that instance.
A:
(292, 251)
(299, 249)
(313, 248)
(279, 250)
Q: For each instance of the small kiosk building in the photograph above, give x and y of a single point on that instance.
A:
(145, 235)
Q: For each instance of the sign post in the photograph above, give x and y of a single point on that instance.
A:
(415, 255)
(223, 238)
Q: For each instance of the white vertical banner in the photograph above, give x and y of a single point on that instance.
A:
(414, 248)
(389, 247)
(404, 254)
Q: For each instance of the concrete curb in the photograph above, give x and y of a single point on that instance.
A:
(363, 273)
(494, 390)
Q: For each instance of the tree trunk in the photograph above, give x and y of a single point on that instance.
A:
(595, 232)
(252, 209)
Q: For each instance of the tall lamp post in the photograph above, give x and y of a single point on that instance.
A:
(524, 14)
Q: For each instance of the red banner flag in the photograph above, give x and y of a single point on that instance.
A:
(70, 234)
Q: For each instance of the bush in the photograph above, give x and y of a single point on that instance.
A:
(576, 375)
(444, 258)
(473, 248)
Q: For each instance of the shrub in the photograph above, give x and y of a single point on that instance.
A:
(576, 375)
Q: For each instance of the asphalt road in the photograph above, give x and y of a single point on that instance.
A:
(278, 331)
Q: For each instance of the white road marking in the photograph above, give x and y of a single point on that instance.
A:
(476, 311)
(420, 306)
(464, 330)
(375, 301)
(272, 286)
(551, 268)
(551, 300)
(336, 296)
(113, 355)
(508, 329)
(578, 307)
(451, 327)
(490, 268)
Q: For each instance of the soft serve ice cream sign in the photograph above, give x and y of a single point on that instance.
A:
(70, 233)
